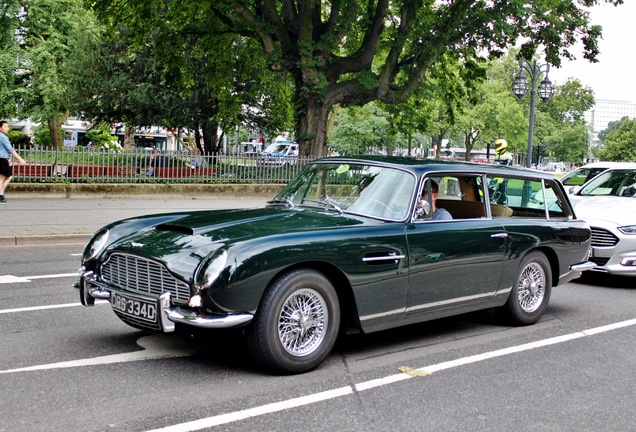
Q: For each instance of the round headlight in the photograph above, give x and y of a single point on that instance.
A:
(95, 245)
(211, 270)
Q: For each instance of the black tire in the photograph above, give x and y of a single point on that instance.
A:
(531, 290)
(297, 322)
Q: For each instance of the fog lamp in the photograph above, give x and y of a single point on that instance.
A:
(195, 301)
(629, 261)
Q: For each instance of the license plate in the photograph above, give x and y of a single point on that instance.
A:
(142, 309)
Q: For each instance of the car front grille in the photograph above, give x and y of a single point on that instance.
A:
(603, 238)
(140, 275)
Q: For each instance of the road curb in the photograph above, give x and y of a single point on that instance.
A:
(134, 190)
(45, 240)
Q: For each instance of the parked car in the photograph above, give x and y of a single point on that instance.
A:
(350, 245)
(279, 153)
(573, 180)
(608, 204)
(555, 167)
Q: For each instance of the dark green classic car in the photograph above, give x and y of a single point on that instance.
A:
(352, 244)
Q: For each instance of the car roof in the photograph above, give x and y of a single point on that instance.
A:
(421, 166)
(608, 164)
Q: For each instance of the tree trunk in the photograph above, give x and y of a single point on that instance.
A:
(469, 142)
(439, 140)
(210, 138)
(312, 130)
(55, 129)
(197, 139)
(129, 137)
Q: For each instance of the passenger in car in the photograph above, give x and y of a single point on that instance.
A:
(438, 213)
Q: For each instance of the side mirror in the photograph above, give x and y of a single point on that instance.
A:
(574, 189)
(423, 209)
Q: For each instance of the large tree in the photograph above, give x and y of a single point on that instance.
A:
(9, 22)
(182, 81)
(620, 144)
(566, 138)
(50, 33)
(357, 51)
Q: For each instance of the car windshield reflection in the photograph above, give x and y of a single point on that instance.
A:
(378, 192)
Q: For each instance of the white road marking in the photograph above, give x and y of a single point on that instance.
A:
(17, 279)
(155, 347)
(235, 416)
(37, 308)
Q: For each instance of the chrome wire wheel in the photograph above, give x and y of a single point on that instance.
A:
(302, 322)
(531, 287)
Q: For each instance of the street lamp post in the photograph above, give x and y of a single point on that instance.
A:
(520, 88)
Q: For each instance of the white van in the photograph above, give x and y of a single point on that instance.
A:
(279, 153)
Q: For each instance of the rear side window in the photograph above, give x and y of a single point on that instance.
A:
(527, 197)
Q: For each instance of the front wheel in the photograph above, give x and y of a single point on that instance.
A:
(297, 323)
(531, 290)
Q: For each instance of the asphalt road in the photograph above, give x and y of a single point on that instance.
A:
(67, 367)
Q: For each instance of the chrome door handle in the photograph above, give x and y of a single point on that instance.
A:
(388, 257)
(500, 235)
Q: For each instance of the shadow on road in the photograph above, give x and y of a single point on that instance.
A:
(606, 280)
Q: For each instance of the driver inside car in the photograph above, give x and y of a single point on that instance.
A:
(438, 213)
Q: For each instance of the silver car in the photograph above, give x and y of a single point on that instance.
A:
(608, 204)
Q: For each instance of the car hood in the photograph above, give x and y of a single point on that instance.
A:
(182, 241)
(618, 210)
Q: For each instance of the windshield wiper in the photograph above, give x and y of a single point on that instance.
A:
(328, 204)
(278, 201)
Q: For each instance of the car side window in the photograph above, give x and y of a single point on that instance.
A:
(458, 196)
(555, 201)
(527, 197)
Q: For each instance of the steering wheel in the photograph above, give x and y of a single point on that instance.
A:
(388, 209)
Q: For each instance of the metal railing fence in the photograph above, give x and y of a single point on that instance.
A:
(83, 165)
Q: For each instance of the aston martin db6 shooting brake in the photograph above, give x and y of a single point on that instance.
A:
(350, 245)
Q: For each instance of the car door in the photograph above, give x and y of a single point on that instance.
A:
(453, 263)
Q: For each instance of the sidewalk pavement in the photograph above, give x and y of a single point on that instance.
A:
(29, 220)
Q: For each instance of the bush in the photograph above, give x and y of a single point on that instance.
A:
(18, 138)
(42, 136)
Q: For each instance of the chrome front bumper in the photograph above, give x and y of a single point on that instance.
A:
(90, 290)
(576, 270)
(587, 265)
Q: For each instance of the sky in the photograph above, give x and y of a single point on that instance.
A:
(614, 76)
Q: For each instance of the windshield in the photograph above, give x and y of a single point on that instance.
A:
(613, 183)
(367, 190)
(276, 148)
(581, 176)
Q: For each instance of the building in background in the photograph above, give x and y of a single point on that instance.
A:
(604, 112)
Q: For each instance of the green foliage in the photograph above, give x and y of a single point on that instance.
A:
(18, 138)
(9, 22)
(100, 137)
(358, 129)
(611, 126)
(354, 52)
(42, 136)
(620, 144)
(569, 143)
(50, 32)
(182, 74)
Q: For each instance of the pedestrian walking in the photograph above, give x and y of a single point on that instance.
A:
(7, 152)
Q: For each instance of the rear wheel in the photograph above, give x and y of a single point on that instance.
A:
(531, 290)
(297, 323)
